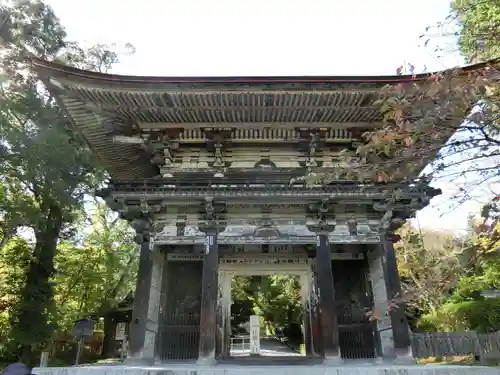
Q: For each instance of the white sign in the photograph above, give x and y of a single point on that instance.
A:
(181, 257)
(254, 334)
(341, 256)
(264, 260)
(247, 259)
(120, 331)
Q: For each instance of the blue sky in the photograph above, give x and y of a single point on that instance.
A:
(269, 37)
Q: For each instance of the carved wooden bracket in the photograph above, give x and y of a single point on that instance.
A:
(312, 143)
(162, 146)
(143, 228)
(217, 141)
(181, 224)
(170, 144)
(212, 215)
(321, 217)
(353, 227)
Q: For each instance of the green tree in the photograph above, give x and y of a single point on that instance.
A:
(275, 298)
(40, 157)
(430, 264)
(15, 257)
(479, 25)
(97, 271)
(437, 125)
(466, 308)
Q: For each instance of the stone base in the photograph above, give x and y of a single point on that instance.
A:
(397, 361)
(347, 369)
(137, 362)
(405, 360)
(206, 362)
(333, 361)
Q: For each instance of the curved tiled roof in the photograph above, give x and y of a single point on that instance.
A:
(103, 105)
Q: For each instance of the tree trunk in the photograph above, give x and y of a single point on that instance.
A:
(33, 326)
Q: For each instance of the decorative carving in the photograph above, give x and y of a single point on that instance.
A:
(145, 209)
(143, 228)
(369, 238)
(402, 203)
(385, 222)
(219, 158)
(212, 216)
(216, 142)
(353, 227)
(311, 143)
(276, 212)
(266, 231)
(351, 190)
(390, 221)
(313, 147)
(265, 163)
(181, 225)
(161, 146)
(170, 144)
(322, 219)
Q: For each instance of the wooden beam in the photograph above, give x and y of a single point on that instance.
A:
(252, 141)
(256, 125)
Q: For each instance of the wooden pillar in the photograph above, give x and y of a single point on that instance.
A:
(384, 338)
(141, 300)
(315, 317)
(400, 329)
(225, 283)
(145, 315)
(329, 326)
(209, 295)
(306, 291)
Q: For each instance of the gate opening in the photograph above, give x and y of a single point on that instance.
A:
(267, 316)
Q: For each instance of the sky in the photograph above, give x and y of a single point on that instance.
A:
(271, 37)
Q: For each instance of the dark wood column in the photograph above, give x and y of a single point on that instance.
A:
(315, 317)
(308, 329)
(141, 303)
(401, 333)
(209, 295)
(329, 326)
(212, 225)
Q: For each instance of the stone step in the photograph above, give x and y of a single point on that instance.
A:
(258, 360)
(234, 369)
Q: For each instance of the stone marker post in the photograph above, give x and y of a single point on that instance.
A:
(254, 335)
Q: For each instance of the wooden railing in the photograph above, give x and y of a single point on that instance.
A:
(240, 343)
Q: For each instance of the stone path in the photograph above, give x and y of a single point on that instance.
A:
(269, 347)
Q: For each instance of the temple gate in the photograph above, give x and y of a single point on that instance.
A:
(202, 169)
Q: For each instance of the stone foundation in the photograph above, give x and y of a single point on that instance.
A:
(362, 369)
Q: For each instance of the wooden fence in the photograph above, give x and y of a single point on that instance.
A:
(485, 346)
